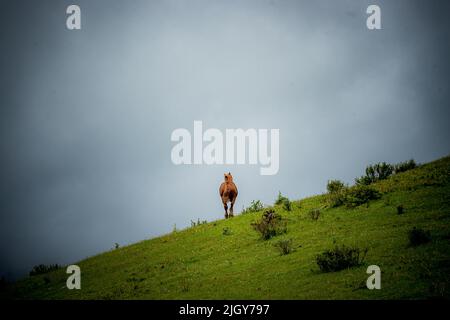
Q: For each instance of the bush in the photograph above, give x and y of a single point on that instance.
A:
(314, 214)
(400, 209)
(270, 225)
(418, 236)
(284, 201)
(255, 206)
(280, 199)
(284, 246)
(383, 170)
(227, 231)
(340, 258)
(359, 195)
(376, 172)
(335, 186)
(42, 268)
(337, 193)
(194, 224)
(287, 205)
(337, 199)
(404, 166)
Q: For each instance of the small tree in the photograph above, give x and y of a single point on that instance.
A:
(285, 246)
(337, 192)
(335, 186)
(404, 166)
(255, 206)
(270, 225)
(360, 194)
(280, 199)
(418, 236)
(376, 172)
(339, 258)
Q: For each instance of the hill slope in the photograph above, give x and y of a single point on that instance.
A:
(203, 263)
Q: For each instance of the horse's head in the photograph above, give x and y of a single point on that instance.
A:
(228, 177)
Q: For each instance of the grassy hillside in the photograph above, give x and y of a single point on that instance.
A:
(204, 263)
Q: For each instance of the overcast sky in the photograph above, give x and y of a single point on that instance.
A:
(86, 116)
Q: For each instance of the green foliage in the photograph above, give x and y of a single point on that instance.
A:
(418, 236)
(42, 268)
(284, 202)
(337, 193)
(284, 246)
(405, 166)
(194, 224)
(255, 206)
(227, 231)
(339, 258)
(116, 246)
(400, 209)
(383, 170)
(314, 214)
(281, 199)
(270, 225)
(287, 205)
(376, 172)
(337, 199)
(359, 195)
(334, 186)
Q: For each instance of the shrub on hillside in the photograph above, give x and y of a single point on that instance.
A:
(227, 231)
(340, 258)
(287, 204)
(337, 192)
(337, 199)
(42, 268)
(284, 202)
(359, 195)
(284, 246)
(314, 214)
(376, 172)
(280, 199)
(194, 224)
(418, 236)
(270, 225)
(404, 166)
(255, 206)
(335, 186)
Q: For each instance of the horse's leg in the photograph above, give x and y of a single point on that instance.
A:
(231, 207)
(225, 206)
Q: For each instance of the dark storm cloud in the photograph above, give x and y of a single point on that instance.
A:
(86, 116)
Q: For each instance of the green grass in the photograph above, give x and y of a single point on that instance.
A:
(204, 263)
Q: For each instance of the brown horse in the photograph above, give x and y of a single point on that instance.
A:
(228, 192)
